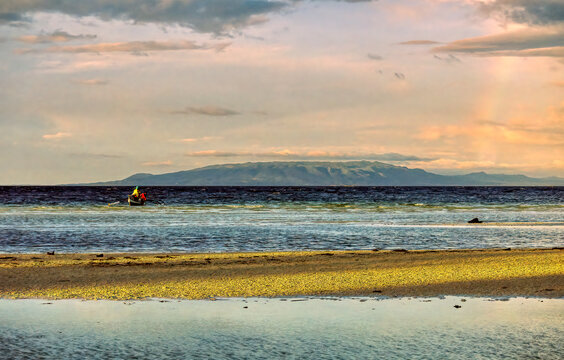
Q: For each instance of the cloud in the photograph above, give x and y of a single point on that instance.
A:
(309, 155)
(218, 17)
(131, 46)
(192, 140)
(57, 136)
(96, 156)
(374, 57)
(547, 133)
(165, 163)
(92, 82)
(533, 12)
(547, 41)
(55, 37)
(419, 42)
(13, 18)
(206, 110)
(215, 153)
(208, 16)
(449, 59)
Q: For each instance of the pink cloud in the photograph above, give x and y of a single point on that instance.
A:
(56, 136)
(165, 163)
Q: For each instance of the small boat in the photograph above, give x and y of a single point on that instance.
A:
(135, 201)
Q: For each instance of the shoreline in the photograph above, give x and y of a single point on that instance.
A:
(421, 273)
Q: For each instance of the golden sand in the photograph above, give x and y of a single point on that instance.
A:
(197, 276)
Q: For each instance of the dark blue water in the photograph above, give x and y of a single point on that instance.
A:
(212, 219)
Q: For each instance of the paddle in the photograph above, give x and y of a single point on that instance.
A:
(114, 203)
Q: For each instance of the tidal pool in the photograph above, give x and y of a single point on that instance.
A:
(294, 328)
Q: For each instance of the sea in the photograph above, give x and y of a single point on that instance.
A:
(70, 219)
(284, 328)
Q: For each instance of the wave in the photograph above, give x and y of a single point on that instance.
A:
(285, 207)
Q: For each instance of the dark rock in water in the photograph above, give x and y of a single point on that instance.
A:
(475, 221)
(50, 253)
(99, 255)
(457, 306)
(245, 307)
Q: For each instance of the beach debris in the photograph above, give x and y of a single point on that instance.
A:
(457, 306)
(377, 291)
(507, 249)
(375, 249)
(50, 253)
(463, 300)
(400, 250)
(475, 221)
(99, 255)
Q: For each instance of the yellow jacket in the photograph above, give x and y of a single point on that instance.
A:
(135, 193)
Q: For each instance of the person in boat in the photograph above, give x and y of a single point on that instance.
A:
(143, 198)
(135, 193)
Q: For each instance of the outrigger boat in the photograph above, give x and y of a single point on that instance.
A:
(135, 201)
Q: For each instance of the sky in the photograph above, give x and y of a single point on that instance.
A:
(99, 90)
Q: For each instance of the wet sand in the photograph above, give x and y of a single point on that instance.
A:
(502, 272)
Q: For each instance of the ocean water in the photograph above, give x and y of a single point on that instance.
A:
(215, 219)
(293, 328)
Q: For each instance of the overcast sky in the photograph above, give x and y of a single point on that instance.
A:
(99, 90)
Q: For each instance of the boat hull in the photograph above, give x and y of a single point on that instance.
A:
(135, 201)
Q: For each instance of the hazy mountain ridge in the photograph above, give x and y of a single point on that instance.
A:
(322, 173)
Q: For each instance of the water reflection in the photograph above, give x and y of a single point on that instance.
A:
(266, 328)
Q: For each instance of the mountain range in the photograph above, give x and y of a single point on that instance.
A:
(324, 173)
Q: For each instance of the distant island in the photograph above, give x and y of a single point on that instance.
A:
(323, 173)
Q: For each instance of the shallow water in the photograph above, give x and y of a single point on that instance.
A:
(295, 328)
(200, 219)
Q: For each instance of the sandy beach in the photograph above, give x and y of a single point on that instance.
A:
(502, 272)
